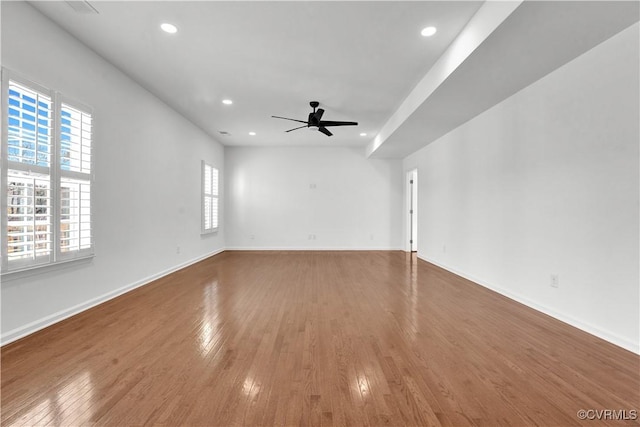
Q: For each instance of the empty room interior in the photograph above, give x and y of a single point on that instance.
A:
(336, 213)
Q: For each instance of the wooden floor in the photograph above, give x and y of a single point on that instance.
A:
(314, 338)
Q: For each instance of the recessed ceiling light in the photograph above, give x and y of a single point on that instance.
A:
(227, 101)
(428, 31)
(252, 133)
(169, 28)
(363, 134)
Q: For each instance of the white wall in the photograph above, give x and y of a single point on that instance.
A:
(278, 196)
(147, 186)
(547, 182)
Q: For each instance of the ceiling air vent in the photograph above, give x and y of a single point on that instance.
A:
(224, 132)
(82, 6)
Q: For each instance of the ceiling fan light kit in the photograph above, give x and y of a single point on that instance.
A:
(315, 120)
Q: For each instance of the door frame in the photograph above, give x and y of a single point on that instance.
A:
(411, 211)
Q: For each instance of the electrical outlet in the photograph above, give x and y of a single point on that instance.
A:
(312, 186)
(252, 237)
(555, 281)
(444, 249)
(177, 249)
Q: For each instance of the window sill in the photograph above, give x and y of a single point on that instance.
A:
(208, 232)
(30, 271)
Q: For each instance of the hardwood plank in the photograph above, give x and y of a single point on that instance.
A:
(314, 338)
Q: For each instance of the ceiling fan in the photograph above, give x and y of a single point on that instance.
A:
(315, 120)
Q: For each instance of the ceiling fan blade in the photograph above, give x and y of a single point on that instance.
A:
(297, 128)
(287, 118)
(332, 123)
(325, 130)
(318, 115)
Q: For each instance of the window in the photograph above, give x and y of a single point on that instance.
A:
(209, 198)
(46, 176)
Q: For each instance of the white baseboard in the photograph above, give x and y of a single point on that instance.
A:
(46, 321)
(297, 248)
(591, 329)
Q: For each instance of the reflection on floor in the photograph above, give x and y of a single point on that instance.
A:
(320, 338)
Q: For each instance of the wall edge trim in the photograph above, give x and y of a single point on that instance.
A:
(311, 249)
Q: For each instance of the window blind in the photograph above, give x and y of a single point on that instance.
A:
(46, 176)
(209, 198)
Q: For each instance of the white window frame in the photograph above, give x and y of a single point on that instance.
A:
(54, 171)
(213, 196)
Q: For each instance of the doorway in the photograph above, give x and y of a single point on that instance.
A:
(411, 196)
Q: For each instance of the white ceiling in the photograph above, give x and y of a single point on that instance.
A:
(535, 39)
(358, 59)
(364, 61)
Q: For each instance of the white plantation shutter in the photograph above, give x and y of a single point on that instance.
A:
(29, 127)
(75, 215)
(46, 176)
(29, 218)
(214, 198)
(75, 232)
(75, 140)
(209, 198)
(28, 225)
